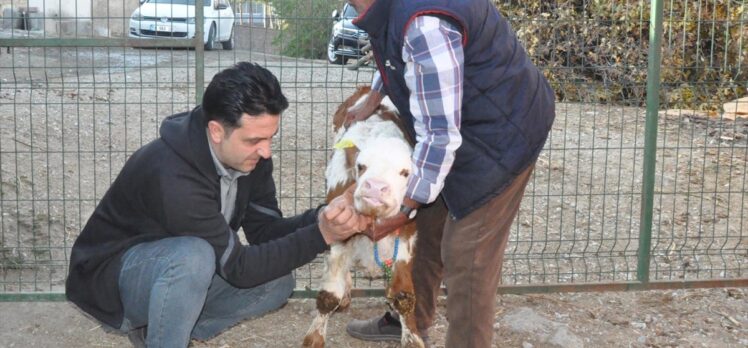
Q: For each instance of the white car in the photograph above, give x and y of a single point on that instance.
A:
(176, 19)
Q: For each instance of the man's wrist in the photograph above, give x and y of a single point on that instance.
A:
(409, 208)
(319, 210)
(411, 203)
(409, 212)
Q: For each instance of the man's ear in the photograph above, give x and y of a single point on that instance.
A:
(216, 131)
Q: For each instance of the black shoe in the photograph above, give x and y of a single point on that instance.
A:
(137, 337)
(385, 328)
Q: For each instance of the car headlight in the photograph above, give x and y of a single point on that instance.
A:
(136, 16)
(190, 20)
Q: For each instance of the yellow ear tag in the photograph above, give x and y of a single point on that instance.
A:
(344, 144)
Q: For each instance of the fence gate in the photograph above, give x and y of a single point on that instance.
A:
(642, 183)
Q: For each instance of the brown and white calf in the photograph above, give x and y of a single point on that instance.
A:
(375, 156)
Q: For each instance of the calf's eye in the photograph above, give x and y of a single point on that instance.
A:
(404, 173)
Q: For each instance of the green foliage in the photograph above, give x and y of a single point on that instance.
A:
(597, 51)
(306, 26)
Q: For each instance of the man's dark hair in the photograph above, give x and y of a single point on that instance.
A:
(244, 88)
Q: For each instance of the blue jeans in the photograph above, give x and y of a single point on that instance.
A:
(171, 286)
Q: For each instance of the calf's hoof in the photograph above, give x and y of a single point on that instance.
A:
(313, 340)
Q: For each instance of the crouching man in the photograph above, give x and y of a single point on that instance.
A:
(160, 258)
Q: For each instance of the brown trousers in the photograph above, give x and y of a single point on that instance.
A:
(466, 254)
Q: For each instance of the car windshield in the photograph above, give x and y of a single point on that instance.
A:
(350, 12)
(178, 2)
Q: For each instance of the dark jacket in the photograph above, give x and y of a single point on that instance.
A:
(507, 108)
(170, 187)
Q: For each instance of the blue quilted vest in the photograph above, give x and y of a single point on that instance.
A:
(508, 106)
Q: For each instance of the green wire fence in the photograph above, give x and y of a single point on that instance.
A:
(642, 184)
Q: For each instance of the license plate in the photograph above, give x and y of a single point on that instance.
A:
(163, 28)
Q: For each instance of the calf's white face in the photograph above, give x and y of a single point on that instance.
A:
(374, 154)
(382, 169)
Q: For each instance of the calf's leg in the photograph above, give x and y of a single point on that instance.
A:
(333, 293)
(402, 297)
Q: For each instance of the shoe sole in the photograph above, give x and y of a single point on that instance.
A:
(375, 338)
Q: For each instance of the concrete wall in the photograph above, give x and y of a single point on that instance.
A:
(73, 18)
(112, 17)
(57, 18)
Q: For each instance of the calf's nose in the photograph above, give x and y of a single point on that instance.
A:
(376, 188)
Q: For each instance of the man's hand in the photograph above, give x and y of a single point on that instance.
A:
(386, 226)
(338, 221)
(364, 110)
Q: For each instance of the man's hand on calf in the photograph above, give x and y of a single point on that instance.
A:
(364, 110)
(386, 226)
(339, 220)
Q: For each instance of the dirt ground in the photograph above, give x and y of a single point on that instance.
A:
(69, 118)
(679, 318)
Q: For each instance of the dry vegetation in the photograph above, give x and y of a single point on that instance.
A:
(597, 51)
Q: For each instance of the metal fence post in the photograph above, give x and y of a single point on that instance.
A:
(650, 140)
(199, 53)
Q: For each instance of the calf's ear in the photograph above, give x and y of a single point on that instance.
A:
(339, 117)
(351, 153)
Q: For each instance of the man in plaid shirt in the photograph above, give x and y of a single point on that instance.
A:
(480, 112)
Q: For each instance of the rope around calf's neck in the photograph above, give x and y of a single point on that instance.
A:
(387, 265)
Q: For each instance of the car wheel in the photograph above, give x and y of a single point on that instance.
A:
(229, 44)
(211, 44)
(331, 56)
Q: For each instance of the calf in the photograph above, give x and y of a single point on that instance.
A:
(375, 156)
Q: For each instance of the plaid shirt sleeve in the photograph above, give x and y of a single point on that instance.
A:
(434, 74)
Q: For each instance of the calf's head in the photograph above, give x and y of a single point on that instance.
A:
(381, 170)
(374, 154)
